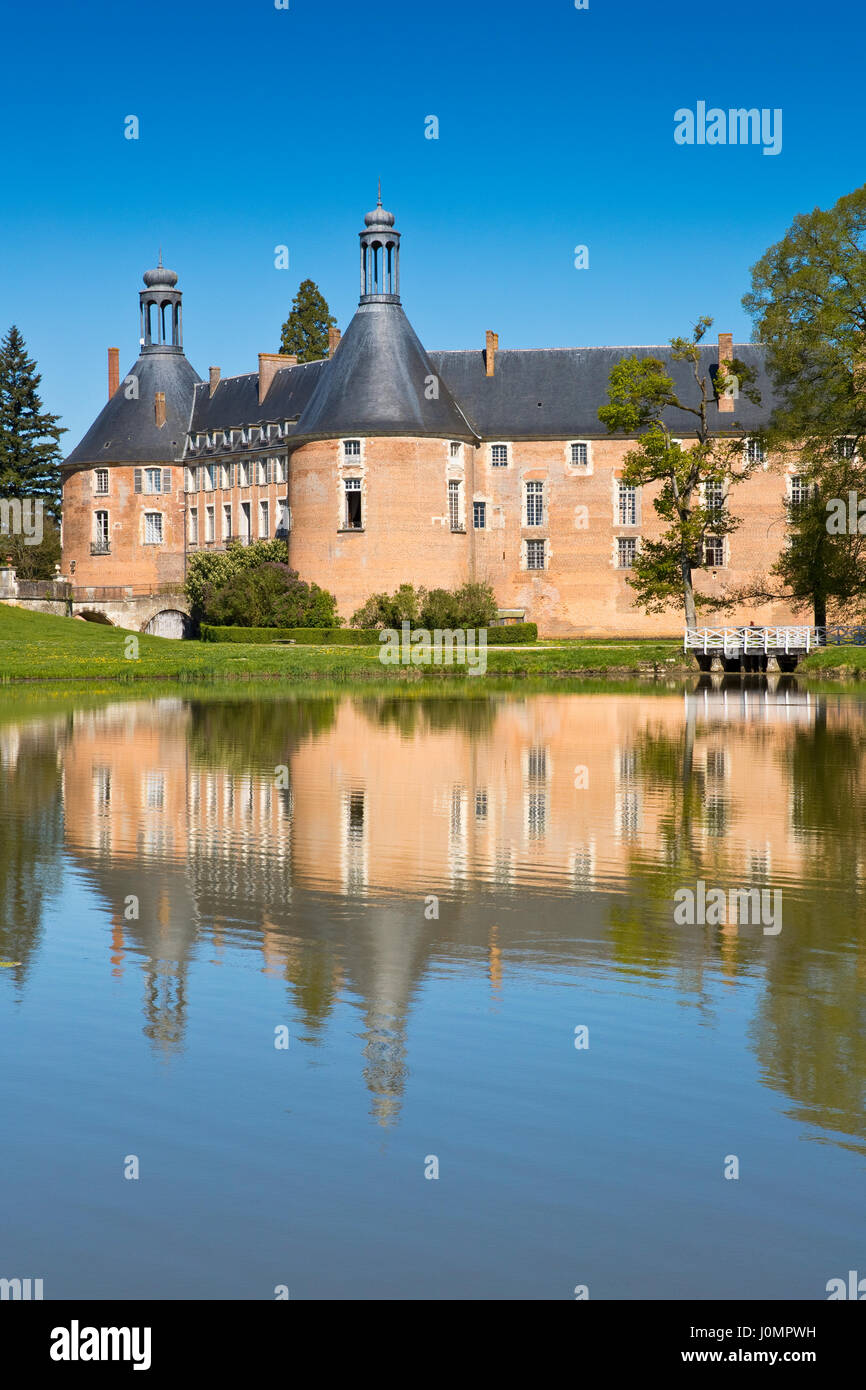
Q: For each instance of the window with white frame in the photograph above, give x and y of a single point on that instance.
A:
(209, 523)
(579, 454)
(535, 555)
(100, 482)
(244, 473)
(246, 523)
(190, 480)
(226, 475)
(627, 503)
(153, 528)
(455, 450)
(261, 472)
(626, 550)
(754, 451)
(283, 517)
(152, 480)
(227, 521)
(845, 448)
(714, 551)
(534, 504)
(352, 448)
(264, 518)
(479, 516)
(352, 492)
(193, 525)
(799, 490)
(282, 469)
(714, 495)
(499, 455)
(454, 504)
(210, 477)
(100, 528)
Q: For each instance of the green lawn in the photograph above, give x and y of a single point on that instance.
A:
(37, 646)
(850, 661)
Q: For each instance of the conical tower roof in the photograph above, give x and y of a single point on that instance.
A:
(126, 431)
(381, 382)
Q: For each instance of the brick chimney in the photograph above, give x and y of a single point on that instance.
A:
(490, 352)
(269, 364)
(159, 408)
(214, 379)
(113, 371)
(726, 354)
(334, 336)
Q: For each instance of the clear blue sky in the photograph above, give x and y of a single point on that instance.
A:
(261, 126)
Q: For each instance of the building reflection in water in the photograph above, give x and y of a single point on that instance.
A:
(553, 830)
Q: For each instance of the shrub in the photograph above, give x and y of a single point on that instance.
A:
(389, 610)
(472, 605)
(269, 595)
(211, 569)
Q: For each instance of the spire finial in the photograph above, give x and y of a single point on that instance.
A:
(159, 262)
(380, 193)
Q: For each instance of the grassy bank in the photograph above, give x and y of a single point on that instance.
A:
(839, 662)
(37, 646)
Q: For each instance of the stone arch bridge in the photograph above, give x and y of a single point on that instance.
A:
(162, 614)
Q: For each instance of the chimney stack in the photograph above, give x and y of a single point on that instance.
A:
(490, 352)
(726, 354)
(214, 379)
(113, 371)
(269, 364)
(159, 408)
(334, 336)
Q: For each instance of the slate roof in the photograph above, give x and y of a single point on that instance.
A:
(125, 431)
(235, 402)
(376, 385)
(555, 393)
(379, 383)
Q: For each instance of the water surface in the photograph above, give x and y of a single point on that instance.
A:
(431, 895)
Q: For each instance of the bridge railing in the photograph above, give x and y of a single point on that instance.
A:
(753, 641)
(106, 592)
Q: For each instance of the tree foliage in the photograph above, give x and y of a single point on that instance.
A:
(808, 304)
(210, 570)
(29, 435)
(39, 561)
(641, 400)
(269, 595)
(305, 331)
(472, 605)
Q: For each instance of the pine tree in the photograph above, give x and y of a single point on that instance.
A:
(305, 331)
(29, 436)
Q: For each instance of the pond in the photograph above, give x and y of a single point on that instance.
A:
(361, 995)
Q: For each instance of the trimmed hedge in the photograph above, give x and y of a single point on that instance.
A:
(304, 636)
(512, 634)
(346, 637)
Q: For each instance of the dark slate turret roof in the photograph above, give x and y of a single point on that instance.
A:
(235, 402)
(125, 431)
(555, 393)
(377, 384)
